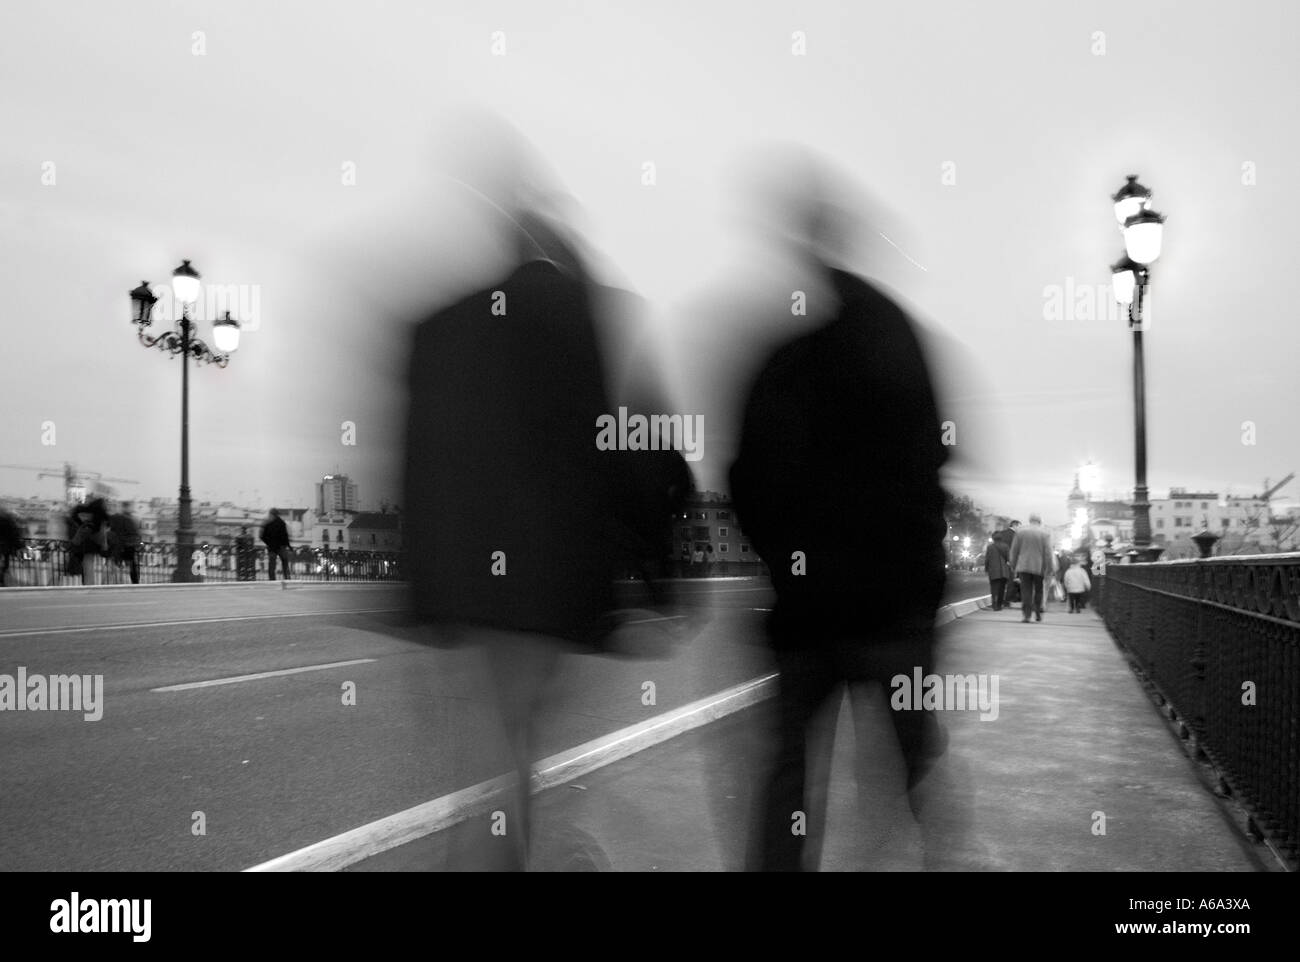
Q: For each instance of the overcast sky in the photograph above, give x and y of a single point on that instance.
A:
(219, 132)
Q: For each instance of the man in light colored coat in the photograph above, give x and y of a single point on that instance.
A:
(1033, 563)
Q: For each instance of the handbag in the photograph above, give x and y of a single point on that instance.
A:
(1058, 592)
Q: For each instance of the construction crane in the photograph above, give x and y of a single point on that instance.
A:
(1269, 492)
(77, 485)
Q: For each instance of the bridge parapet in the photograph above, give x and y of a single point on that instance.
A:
(1219, 639)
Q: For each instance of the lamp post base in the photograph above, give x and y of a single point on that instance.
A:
(184, 572)
(1148, 553)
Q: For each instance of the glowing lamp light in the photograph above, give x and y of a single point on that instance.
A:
(1123, 280)
(1143, 234)
(1089, 477)
(225, 334)
(185, 283)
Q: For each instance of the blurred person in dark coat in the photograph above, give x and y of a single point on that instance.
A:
(275, 535)
(516, 523)
(124, 541)
(840, 425)
(87, 538)
(11, 542)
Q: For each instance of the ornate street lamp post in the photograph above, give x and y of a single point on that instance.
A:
(1143, 231)
(181, 340)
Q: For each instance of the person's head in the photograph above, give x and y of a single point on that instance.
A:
(274, 513)
(1035, 519)
(800, 200)
(1013, 525)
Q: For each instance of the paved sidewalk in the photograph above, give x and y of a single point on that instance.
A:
(1075, 735)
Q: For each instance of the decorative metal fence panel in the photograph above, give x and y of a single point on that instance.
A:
(55, 562)
(1220, 639)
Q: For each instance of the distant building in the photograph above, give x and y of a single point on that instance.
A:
(707, 527)
(37, 517)
(336, 494)
(1243, 524)
(375, 531)
(361, 531)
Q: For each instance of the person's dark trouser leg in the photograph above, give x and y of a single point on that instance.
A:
(284, 563)
(806, 678)
(917, 731)
(521, 665)
(920, 735)
(997, 588)
(1039, 587)
(133, 564)
(1026, 595)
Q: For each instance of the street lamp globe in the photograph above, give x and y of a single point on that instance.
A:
(225, 334)
(1123, 280)
(1143, 234)
(185, 283)
(1130, 199)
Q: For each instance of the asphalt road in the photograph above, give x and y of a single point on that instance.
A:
(267, 765)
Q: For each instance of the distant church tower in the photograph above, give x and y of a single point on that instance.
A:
(1076, 500)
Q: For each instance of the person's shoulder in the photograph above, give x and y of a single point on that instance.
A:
(862, 298)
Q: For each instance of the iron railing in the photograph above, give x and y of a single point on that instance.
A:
(1219, 638)
(53, 562)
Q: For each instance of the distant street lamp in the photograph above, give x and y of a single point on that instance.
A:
(1143, 231)
(181, 340)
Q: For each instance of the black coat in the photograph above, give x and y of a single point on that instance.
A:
(839, 459)
(123, 535)
(11, 534)
(275, 534)
(87, 527)
(502, 472)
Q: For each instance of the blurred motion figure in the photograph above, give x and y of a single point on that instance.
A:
(840, 429)
(516, 523)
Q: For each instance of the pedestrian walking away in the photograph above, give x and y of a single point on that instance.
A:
(1077, 584)
(998, 568)
(275, 535)
(1034, 565)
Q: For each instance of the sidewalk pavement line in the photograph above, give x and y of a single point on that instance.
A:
(234, 679)
(358, 844)
(73, 629)
(959, 609)
(414, 823)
